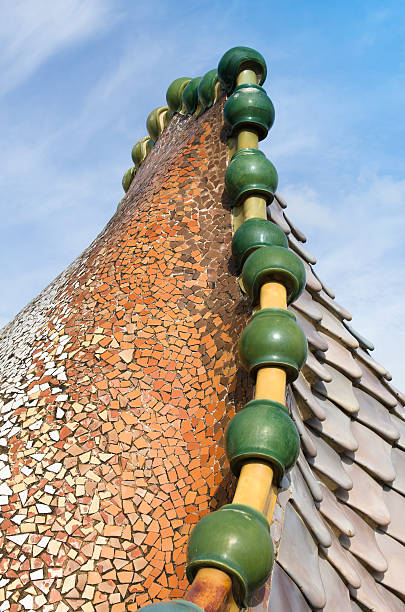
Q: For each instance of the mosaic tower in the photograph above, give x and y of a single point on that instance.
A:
(186, 415)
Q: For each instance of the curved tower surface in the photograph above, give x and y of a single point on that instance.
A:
(127, 418)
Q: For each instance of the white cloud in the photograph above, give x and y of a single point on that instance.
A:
(31, 32)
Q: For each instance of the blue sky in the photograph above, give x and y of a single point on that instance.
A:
(79, 79)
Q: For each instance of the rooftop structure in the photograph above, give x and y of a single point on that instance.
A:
(186, 412)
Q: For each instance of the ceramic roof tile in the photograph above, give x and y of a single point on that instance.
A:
(336, 425)
(312, 282)
(297, 233)
(355, 607)
(276, 215)
(312, 482)
(340, 559)
(340, 357)
(370, 383)
(280, 200)
(330, 303)
(339, 390)
(399, 426)
(297, 544)
(285, 595)
(398, 460)
(298, 248)
(335, 512)
(325, 287)
(395, 604)
(308, 306)
(313, 337)
(307, 443)
(335, 327)
(373, 453)
(366, 494)
(303, 393)
(328, 462)
(304, 502)
(363, 342)
(376, 416)
(398, 395)
(374, 365)
(337, 594)
(367, 594)
(363, 543)
(394, 552)
(396, 506)
(317, 368)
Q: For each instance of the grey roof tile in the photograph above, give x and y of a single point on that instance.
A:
(336, 425)
(335, 327)
(280, 200)
(398, 460)
(340, 559)
(394, 552)
(340, 357)
(314, 339)
(395, 392)
(297, 232)
(374, 365)
(355, 607)
(285, 596)
(298, 248)
(317, 368)
(373, 453)
(396, 506)
(363, 342)
(275, 212)
(297, 544)
(308, 307)
(399, 425)
(368, 593)
(312, 282)
(312, 482)
(307, 443)
(335, 512)
(363, 544)
(304, 502)
(370, 383)
(328, 462)
(303, 394)
(330, 303)
(376, 416)
(366, 494)
(337, 594)
(395, 604)
(339, 390)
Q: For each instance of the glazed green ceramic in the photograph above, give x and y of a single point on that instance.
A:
(273, 264)
(255, 233)
(273, 338)
(237, 59)
(235, 539)
(249, 108)
(190, 96)
(175, 605)
(206, 89)
(175, 92)
(141, 150)
(263, 430)
(127, 178)
(250, 173)
(157, 121)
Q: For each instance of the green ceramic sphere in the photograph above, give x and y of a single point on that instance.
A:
(255, 233)
(250, 173)
(237, 59)
(263, 430)
(273, 264)
(175, 92)
(235, 539)
(206, 89)
(273, 338)
(190, 96)
(157, 121)
(141, 150)
(127, 178)
(175, 605)
(249, 108)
